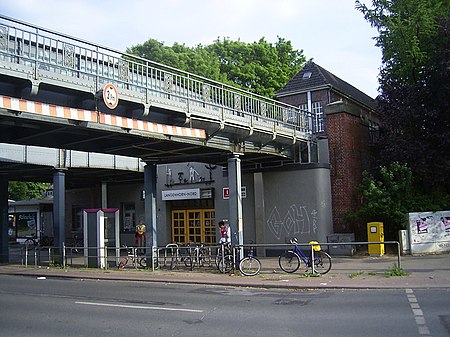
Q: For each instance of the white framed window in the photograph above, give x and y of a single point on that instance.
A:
(317, 116)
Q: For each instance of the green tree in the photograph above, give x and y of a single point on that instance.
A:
(408, 32)
(389, 196)
(19, 190)
(414, 87)
(196, 60)
(259, 67)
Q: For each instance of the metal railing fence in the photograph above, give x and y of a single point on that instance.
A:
(49, 54)
(172, 256)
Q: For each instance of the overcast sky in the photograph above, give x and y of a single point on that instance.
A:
(331, 32)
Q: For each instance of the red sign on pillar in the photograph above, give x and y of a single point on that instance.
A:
(226, 192)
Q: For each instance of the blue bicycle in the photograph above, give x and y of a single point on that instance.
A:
(290, 261)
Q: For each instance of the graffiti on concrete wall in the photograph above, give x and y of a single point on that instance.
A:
(297, 220)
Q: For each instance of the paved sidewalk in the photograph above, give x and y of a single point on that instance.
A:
(430, 271)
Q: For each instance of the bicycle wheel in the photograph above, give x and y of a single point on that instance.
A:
(322, 262)
(289, 262)
(122, 263)
(205, 259)
(225, 264)
(29, 243)
(250, 266)
(219, 256)
(188, 260)
(142, 262)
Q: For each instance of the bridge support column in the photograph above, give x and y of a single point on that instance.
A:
(4, 250)
(235, 201)
(150, 207)
(104, 195)
(260, 219)
(59, 214)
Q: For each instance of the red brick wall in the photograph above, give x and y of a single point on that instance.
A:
(349, 153)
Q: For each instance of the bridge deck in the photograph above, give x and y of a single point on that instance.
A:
(38, 56)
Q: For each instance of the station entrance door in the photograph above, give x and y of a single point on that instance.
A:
(194, 225)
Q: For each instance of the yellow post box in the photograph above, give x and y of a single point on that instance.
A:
(375, 233)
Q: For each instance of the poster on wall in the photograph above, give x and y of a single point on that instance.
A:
(429, 232)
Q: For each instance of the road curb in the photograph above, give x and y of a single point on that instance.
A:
(300, 283)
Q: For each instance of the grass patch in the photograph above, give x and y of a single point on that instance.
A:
(355, 275)
(396, 271)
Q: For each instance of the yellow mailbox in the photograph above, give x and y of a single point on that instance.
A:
(375, 233)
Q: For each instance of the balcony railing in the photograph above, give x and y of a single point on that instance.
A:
(37, 50)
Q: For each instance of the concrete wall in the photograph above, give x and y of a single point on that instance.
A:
(297, 203)
(277, 206)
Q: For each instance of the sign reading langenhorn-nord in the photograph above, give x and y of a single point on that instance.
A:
(193, 193)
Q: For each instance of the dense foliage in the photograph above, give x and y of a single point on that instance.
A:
(259, 67)
(389, 196)
(414, 87)
(18, 190)
(414, 111)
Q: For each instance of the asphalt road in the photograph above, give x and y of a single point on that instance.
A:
(32, 306)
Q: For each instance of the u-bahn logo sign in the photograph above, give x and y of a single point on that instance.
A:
(110, 96)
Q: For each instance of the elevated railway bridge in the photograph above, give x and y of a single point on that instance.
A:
(90, 112)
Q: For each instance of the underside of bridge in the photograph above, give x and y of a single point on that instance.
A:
(54, 69)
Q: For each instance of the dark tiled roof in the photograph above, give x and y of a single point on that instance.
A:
(322, 78)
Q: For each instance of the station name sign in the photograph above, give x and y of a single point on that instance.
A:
(193, 193)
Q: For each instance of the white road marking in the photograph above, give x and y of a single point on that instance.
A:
(137, 307)
(418, 314)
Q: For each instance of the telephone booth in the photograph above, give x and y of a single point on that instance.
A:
(101, 233)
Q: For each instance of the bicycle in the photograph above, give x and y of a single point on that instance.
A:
(137, 261)
(42, 240)
(291, 260)
(250, 265)
(198, 256)
(178, 254)
(75, 244)
(224, 258)
(171, 252)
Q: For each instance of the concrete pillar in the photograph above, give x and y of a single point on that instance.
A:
(150, 205)
(260, 216)
(104, 195)
(59, 214)
(235, 201)
(4, 250)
